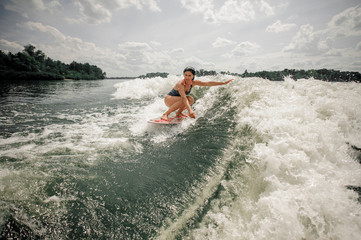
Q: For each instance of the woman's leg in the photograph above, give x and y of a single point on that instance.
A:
(174, 103)
(190, 100)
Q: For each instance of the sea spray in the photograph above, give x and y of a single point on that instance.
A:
(294, 186)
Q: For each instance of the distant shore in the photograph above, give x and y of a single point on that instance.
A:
(35, 65)
(329, 75)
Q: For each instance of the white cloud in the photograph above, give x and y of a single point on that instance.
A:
(93, 12)
(358, 46)
(177, 50)
(53, 5)
(231, 11)
(265, 7)
(155, 43)
(245, 48)
(334, 52)
(322, 48)
(279, 27)
(97, 12)
(304, 40)
(197, 5)
(10, 46)
(140, 55)
(69, 49)
(134, 46)
(139, 4)
(236, 11)
(196, 63)
(153, 5)
(128, 59)
(57, 35)
(346, 23)
(222, 42)
(20, 6)
(23, 6)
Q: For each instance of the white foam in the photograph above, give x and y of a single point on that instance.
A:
(155, 107)
(295, 185)
(148, 87)
(53, 199)
(89, 133)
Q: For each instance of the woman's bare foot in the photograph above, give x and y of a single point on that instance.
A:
(164, 117)
(178, 115)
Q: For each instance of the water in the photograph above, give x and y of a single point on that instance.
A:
(263, 160)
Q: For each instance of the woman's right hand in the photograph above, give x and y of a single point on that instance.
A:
(192, 115)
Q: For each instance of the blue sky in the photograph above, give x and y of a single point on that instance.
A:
(134, 37)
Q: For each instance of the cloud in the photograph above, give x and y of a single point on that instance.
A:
(244, 49)
(265, 7)
(10, 46)
(196, 63)
(222, 42)
(304, 40)
(95, 12)
(134, 46)
(128, 59)
(236, 11)
(177, 50)
(140, 55)
(92, 12)
(358, 46)
(279, 27)
(334, 52)
(68, 49)
(23, 6)
(322, 47)
(231, 11)
(346, 23)
(53, 5)
(153, 5)
(55, 33)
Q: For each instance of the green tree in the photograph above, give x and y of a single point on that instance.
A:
(34, 64)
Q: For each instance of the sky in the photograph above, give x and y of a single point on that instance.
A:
(135, 37)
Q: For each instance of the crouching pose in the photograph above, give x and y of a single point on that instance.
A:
(178, 98)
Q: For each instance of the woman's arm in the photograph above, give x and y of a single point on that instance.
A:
(181, 91)
(211, 83)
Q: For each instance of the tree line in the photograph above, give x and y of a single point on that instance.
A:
(200, 72)
(329, 75)
(156, 74)
(31, 64)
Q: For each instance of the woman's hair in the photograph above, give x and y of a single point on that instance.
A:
(190, 69)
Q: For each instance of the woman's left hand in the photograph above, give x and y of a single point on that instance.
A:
(228, 81)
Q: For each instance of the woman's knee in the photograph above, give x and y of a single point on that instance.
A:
(190, 100)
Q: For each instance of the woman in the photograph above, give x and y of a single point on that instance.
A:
(179, 99)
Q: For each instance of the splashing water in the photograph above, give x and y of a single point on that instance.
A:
(263, 160)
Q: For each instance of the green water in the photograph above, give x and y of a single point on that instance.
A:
(72, 169)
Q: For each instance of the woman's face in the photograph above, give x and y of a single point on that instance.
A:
(188, 75)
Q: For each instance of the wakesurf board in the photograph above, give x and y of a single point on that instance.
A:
(170, 121)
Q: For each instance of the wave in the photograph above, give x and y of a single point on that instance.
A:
(286, 172)
(263, 160)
